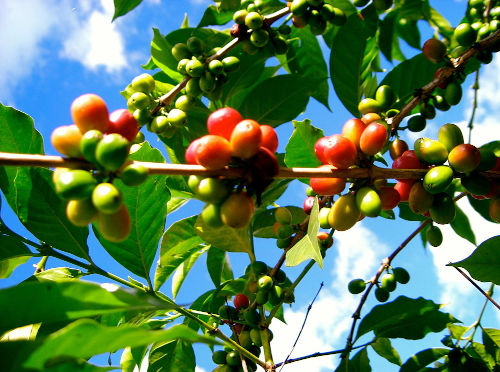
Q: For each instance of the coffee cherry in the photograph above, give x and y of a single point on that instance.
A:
(89, 111)
(465, 34)
(81, 212)
(437, 179)
(344, 213)
(389, 198)
(138, 100)
(134, 174)
(420, 200)
(181, 51)
(401, 275)
(222, 122)
(107, 198)
(381, 294)
(464, 158)
(434, 236)
(211, 190)
(213, 152)
(434, 50)
(339, 151)
(211, 215)
(388, 282)
(417, 123)
(373, 138)
(66, 140)
(195, 45)
(177, 118)
(75, 184)
(246, 139)
(237, 210)
(254, 20)
(265, 283)
(283, 216)
(144, 83)
(88, 144)
(384, 95)
(121, 121)
(241, 301)
(194, 68)
(352, 130)
(397, 148)
(327, 186)
(368, 202)
(115, 227)
(231, 63)
(453, 93)
(443, 209)
(356, 286)
(299, 7)
(369, 105)
(112, 151)
(259, 38)
(269, 138)
(219, 357)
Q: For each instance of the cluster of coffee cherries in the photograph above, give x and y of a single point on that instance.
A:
(104, 140)
(232, 140)
(243, 317)
(388, 283)
(206, 77)
(316, 14)
(429, 196)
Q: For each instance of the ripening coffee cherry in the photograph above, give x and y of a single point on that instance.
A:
(115, 227)
(339, 151)
(397, 148)
(464, 158)
(327, 186)
(369, 105)
(213, 152)
(430, 151)
(450, 136)
(344, 213)
(265, 283)
(89, 111)
(107, 198)
(389, 198)
(237, 210)
(66, 140)
(356, 286)
(420, 200)
(239, 16)
(246, 138)
(434, 50)
(81, 212)
(373, 138)
(241, 301)
(494, 210)
(121, 121)
(352, 130)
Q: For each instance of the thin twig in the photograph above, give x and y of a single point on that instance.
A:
(315, 355)
(303, 325)
(474, 105)
(40, 266)
(478, 287)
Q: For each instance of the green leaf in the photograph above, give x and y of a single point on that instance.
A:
(12, 246)
(358, 363)
(47, 217)
(423, 358)
(278, 99)
(484, 263)
(172, 356)
(161, 54)
(407, 214)
(58, 274)
(299, 151)
(80, 366)
(348, 50)
(274, 191)
(409, 75)
(8, 266)
(179, 243)
(305, 58)
(208, 303)
(225, 237)
(147, 205)
(387, 35)
(383, 347)
(436, 19)
(405, 318)
(183, 270)
(307, 247)
(85, 338)
(481, 206)
(47, 301)
(17, 135)
(461, 226)
(218, 266)
(215, 16)
(122, 7)
(251, 70)
(457, 331)
(409, 32)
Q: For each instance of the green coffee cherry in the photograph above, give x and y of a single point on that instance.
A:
(401, 275)
(434, 236)
(265, 283)
(254, 20)
(193, 87)
(194, 68)
(134, 174)
(195, 45)
(356, 286)
(181, 66)
(177, 118)
(417, 123)
(107, 198)
(160, 124)
(216, 67)
(88, 144)
(143, 83)
(138, 100)
(388, 282)
(381, 294)
(231, 63)
(259, 38)
(180, 51)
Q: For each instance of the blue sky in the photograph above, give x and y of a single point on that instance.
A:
(53, 51)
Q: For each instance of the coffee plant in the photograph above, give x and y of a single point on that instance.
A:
(212, 99)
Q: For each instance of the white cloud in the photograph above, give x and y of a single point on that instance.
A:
(94, 40)
(330, 318)
(25, 23)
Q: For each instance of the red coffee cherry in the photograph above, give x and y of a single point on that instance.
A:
(213, 152)
(222, 122)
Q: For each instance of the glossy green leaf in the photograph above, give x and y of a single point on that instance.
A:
(122, 7)
(218, 266)
(207, 303)
(457, 331)
(48, 301)
(147, 205)
(358, 363)
(225, 237)
(161, 54)
(348, 8)
(305, 58)
(239, 82)
(481, 206)
(423, 358)
(58, 274)
(175, 203)
(300, 148)
(409, 32)
(172, 356)
(274, 191)
(79, 365)
(183, 270)
(345, 62)
(484, 263)
(17, 135)
(278, 99)
(215, 16)
(383, 347)
(405, 318)
(12, 246)
(85, 338)
(8, 266)
(387, 35)
(178, 244)
(436, 19)
(409, 75)
(461, 226)
(307, 248)
(413, 10)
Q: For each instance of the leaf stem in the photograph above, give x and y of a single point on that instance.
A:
(40, 266)
(475, 86)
